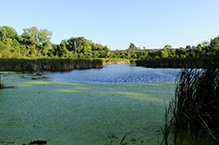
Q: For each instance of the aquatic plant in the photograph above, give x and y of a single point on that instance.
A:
(195, 111)
(1, 84)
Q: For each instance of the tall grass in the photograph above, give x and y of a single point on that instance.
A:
(195, 110)
(115, 60)
(14, 64)
(193, 62)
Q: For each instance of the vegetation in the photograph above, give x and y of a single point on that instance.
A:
(14, 64)
(195, 62)
(194, 112)
(34, 43)
(1, 84)
(115, 60)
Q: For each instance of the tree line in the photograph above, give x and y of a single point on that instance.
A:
(35, 43)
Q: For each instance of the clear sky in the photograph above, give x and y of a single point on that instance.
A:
(117, 23)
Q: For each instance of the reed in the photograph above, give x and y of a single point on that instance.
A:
(195, 109)
(115, 61)
(14, 64)
(192, 62)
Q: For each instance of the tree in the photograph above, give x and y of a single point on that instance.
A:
(8, 32)
(34, 36)
(81, 45)
(164, 53)
(133, 47)
(105, 48)
(60, 50)
(204, 43)
(98, 47)
(214, 44)
(168, 46)
(172, 53)
(46, 48)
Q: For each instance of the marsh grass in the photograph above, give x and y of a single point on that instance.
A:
(15, 64)
(1, 84)
(194, 114)
(196, 62)
(115, 60)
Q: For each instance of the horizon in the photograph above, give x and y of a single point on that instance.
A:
(152, 24)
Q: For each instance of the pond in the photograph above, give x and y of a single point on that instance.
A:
(96, 107)
(115, 74)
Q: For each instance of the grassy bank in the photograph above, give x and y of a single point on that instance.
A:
(197, 62)
(13, 64)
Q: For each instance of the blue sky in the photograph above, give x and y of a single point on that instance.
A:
(117, 23)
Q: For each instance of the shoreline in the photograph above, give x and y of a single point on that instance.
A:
(15, 64)
(199, 62)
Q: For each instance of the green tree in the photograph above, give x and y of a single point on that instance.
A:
(105, 48)
(188, 47)
(164, 53)
(204, 43)
(8, 32)
(133, 47)
(172, 53)
(214, 44)
(168, 46)
(98, 47)
(34, 36)
(60, 50)
(46, 48)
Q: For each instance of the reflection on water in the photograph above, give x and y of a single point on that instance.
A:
(115, 74)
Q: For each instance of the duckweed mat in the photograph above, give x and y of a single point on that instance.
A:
(71, 113)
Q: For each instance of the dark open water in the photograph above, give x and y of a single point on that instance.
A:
(115, 74)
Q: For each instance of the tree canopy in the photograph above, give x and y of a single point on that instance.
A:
(133, 47)
(34, 42)
(34, 36)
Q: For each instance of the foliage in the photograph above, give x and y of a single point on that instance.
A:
(34, 36)
(8, 32)
(83, 45)
(195, 110)
(35, 43)
(133, 47)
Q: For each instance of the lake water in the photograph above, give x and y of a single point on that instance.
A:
(115, 74)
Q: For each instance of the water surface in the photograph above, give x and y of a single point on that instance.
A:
(115, 74)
